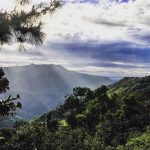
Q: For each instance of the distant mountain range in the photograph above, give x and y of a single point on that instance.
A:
(42, 87)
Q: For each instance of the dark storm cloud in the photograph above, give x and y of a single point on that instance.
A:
(113, 65)
(106, 54)
(105, 22)
(145, 38)
(108, 23)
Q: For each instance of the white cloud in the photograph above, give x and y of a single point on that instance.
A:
(101, 22)
(92, 22)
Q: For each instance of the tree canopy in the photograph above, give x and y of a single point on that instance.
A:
(22, 26)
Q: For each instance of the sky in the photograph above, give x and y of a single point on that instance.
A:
(100, 37)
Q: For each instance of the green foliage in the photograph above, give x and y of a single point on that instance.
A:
(141, 142)
(30, 136)
(90, 120)
(52, 124)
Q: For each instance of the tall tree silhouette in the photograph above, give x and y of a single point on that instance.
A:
(20, 26)
(7, 106)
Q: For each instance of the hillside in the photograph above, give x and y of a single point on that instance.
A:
(130, 85)
(115, 117)
(42, 87)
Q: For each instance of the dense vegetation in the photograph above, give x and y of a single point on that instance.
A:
(8, 106)
(116, 117)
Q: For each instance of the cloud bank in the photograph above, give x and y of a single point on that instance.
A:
(102, 37)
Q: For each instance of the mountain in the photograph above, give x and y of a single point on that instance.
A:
(42, 87)
(129, 85)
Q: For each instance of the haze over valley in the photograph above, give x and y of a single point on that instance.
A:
(42, 87)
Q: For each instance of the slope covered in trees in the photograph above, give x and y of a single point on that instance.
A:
(101, 119)
(130, 85)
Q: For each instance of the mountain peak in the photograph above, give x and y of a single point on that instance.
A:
(43, 86)
(46, 65)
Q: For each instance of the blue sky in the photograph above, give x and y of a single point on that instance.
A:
(101, 37)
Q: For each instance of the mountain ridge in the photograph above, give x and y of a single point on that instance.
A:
(42, 87)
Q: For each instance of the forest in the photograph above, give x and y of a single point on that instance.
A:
(112, 117)
(115, 117)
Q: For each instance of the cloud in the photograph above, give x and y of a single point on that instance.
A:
(119, 51)
(101, 37)
(108, 23)
(115, 56)
(95, 22)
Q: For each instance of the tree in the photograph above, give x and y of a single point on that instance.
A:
(75, 101)
(20, 26)
(7, 106)
(51, 123)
